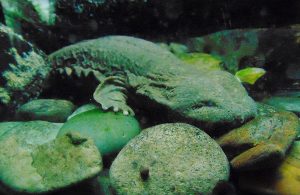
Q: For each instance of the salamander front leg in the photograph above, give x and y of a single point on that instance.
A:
(111, 94)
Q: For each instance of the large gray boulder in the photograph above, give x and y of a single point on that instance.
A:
(169, 159)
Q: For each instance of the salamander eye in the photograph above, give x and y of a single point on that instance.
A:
(205, 103)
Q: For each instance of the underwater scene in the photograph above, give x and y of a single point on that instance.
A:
(149, 97)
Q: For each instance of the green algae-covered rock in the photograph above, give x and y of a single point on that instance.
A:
(262, 142)
(110, 131)
(286, 103)
(169, 159)
(52, 110)
(66, 160)
(230, 45)
(33, 161)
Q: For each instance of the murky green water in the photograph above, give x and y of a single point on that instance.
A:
(149, 97)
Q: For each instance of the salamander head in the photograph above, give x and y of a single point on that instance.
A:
(213, 98)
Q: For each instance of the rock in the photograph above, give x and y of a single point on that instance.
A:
(265, 109)
(52, 110)
(241, 48)
(289, 173)
(110, 131)
(83, 108)
(79, 154)
(283, 180)
(261, 48)
(29, 134)
(286, 103)
(262, 142)
(287, 93)
(169, 159)
(33, 161)
(105, 184)
(231, 46)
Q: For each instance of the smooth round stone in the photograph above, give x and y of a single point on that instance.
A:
(32, 160)
(287, 103)
(51, 110)
(169, 159)
(83, 108)
(110, 131)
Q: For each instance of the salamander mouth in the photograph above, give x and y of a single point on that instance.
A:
(203, 104)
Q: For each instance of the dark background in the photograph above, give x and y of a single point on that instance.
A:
(167, 20)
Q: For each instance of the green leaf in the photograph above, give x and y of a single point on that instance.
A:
(249, 75)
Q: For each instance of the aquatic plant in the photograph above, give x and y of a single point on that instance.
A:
(33, 11)
(27, 66)
(250, 75)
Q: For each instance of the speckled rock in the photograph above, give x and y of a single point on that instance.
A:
(110, 131)
(30, 133)
(262, 142)
(52, 110)
(169, 159)
(33, 161)
(83, 108)
(265, 109)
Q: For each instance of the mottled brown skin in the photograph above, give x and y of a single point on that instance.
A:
(122, 64)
